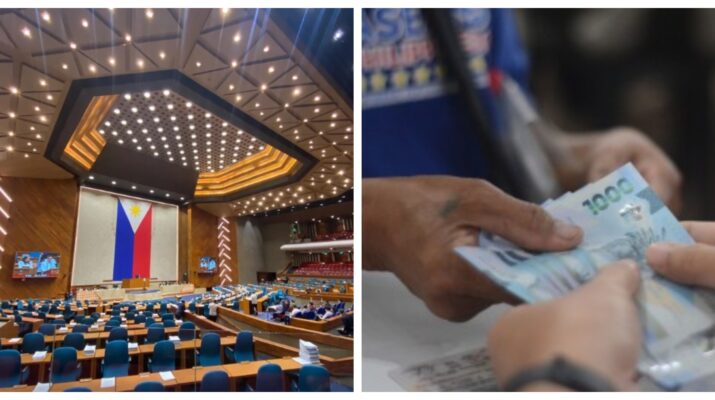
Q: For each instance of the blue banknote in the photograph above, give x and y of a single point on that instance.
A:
(620, 216)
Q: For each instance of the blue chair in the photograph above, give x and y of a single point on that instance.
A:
(58, 322)
(187, 331)
(116, 359)
(155, 333)
(162, 308)
(164, 357)
(169, 323)
(80, 328)
(33, 342)
(215, 381)
(47, 329)
(210, 353)
(65, 367)
(313, 378)
(149, 386)
(270, 378)
(78, 389)
(74, 340)
(118, 333)
(140, 319)
(166, 316)
(11, 371)
(243, 350)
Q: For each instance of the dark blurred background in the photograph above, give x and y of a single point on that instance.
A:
(650, 69)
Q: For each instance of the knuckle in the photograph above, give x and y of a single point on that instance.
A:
(538, 219)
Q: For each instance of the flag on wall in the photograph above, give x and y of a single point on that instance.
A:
(132, 246)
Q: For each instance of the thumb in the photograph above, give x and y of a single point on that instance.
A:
(528, 225)
(619, 277)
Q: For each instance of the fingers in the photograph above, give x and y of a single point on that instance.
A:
(525, 224)
(622, 276)
(702, 232)
(688, 264)
(605, 164)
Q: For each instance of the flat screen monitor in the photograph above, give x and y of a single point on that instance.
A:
(207, 265)
(36, 264)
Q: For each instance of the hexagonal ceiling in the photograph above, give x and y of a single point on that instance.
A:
(267, 86)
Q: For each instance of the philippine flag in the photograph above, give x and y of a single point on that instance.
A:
(132, 246)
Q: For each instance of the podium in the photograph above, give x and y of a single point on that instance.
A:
(135, 283)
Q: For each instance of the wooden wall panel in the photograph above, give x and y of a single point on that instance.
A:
(202, 240)
(43, 215)
(183, 243)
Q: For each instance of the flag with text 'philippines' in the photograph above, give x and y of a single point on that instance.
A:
(132, 246)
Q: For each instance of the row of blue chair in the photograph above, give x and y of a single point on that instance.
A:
(311, 378)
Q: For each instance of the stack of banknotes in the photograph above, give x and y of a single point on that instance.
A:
(620, 216)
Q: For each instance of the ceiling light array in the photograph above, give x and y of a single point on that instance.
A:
(166, 125)
(115, 184)
(331, 185)
(197, 152)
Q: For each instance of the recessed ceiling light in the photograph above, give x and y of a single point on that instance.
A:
(14, 90)
(112, 61)
(149, 13)
(166, 92)
(237, 38)
(114, 182)
(146, 96)
(162, 55)
(43, 82)
(92, 68)
(271, 69)
(46, 16)
(26, 32)
(85, 23)
(140, 63)
(128, 37)
(264, 87)
(134, 187)
(266, 49)
(151, 191)
(234, 63)
(294, 77)
(198, 64)
(91, 177)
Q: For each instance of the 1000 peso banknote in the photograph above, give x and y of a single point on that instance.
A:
(620, 216)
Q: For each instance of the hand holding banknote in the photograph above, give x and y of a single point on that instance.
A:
(690, 264)
(596, 327)
(414, 223)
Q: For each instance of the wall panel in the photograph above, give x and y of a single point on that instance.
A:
(42, 217)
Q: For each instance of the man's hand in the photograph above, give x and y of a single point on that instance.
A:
(687, 264)
(596, 327)
(589, 157)
(412, 225)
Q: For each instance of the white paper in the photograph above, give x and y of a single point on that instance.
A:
(39, 355)
(174, 338)
(107, 383)
(62, 329)
(133, 345)
(89, 349)
(94, 326)
(166, 376)
(42, 387)
(15, 340)
(301, 361)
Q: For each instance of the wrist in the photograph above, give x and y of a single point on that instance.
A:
(375, 222)
(559, 373)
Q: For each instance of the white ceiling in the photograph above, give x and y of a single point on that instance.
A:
(243, 58)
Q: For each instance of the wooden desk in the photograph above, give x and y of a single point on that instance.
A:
(135, 283)
(89, 336)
